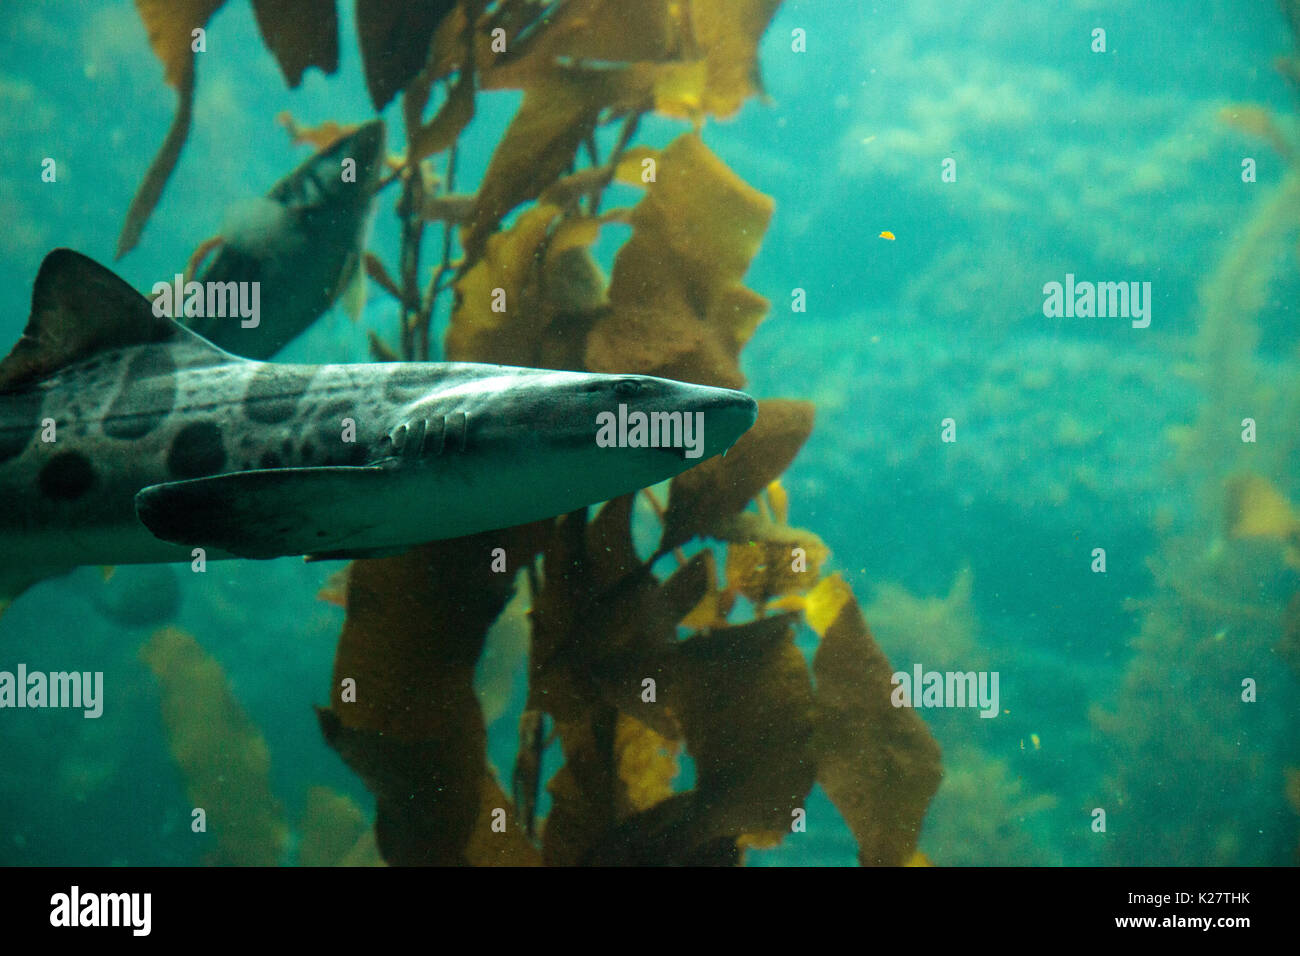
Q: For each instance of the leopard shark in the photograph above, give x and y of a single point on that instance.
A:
(303, 243)
(127, 438)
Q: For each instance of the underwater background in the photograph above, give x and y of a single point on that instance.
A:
(1120, 690)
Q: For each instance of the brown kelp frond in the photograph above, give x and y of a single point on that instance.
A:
(221, 753)
(299, 34)
(403, 712)
(321, 136)
(767, 562)
(1260, 121)
(394, 41)
(677, 306)
(532, 296)
(718, 489)
(332, 827)
(556, 118)
(1255, 508)
(878, 763)
(625, 695)
(169, 27)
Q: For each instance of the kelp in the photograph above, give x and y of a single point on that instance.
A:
(555, 118)
(394, 41)
(332, 826)
(878, 763)
(299, 34)
(169, 34)
(1220, 584)
(677, 305)
(638, 657)
(219, 750)
(226, 767)
(704, 499)
(625, 696)
(575, 60)
(525, 266)
(1255, 508)
(403, 711)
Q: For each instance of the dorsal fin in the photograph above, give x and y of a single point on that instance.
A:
(80, 308)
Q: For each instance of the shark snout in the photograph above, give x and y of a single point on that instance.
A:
(691, 422)
(653, 419)
(366, 145)
(728, 414)
(365, 149)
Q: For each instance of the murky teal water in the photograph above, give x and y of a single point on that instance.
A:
(971, 554)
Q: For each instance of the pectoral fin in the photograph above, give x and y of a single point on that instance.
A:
(352, 291)
(267, 513)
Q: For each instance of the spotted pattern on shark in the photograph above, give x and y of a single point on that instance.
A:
(66, 477)
(197, 451)
(21, 424)
(146, 396)
(403, 385)
(275, 392)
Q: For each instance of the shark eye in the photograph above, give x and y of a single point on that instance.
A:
(628, 386)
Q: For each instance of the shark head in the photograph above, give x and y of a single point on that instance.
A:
(323, 182)
(571, 438)
(645, 423)
(320, 193)
(303, 244)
